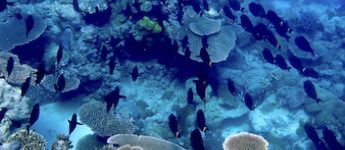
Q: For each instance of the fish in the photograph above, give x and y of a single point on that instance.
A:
(331, 139)
(135, 73)
(283, 30)
(29, 23)
(268, 56)
(179, 14)
(260, 31)
(272, 17)
(59, 55)
(173, 125)
(310, 72)
(35, 113)
(112, 65)
(228, 13)
(231, 87)
(61, 83)
(200, 87)
(10, 65)
(3, 4)
(112, 99)
(257, 10)
(296, 63)
(40, 73)
(279, 24)
(248, 100)
(104, 53)
(205, 57)
(281, 63)
(204, 41)
(25, 86)
(185, 42)
(303, 44)
(205, 5)
(235, 5)
(187, 53)
(73, 123)
(196, 6)
(2, 113)
(314, 137)
(196, 140)
(246, 24)
(201, 121)
(190, 96)
(309, 89)
(271, 38)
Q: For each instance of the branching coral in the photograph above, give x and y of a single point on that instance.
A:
(94, 115)
(31, 140)
(62, 143)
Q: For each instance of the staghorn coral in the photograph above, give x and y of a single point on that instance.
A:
(28, 141)
(145, 142)
(245, 141)
(15, 30)
(62, 143)
(94, 115)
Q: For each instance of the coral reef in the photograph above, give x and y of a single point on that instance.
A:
(92, 6)
(245, 141)
(31, 140)
(90, 142)
(15, 30)
(146, 142)
(62, 143)
(94, 115)
(150, 25)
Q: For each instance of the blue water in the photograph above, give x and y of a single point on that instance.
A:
(292, 95)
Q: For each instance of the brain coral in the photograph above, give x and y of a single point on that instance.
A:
(245, 141)
(94, 115)
(13, 32)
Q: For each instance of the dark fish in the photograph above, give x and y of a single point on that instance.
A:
(281, 63)
(257, 10)
(190, 96)
(196, 140)
(40, 73)
(314, 137)
(283, 30)
(205, 5)
(185, 42)
(29, 22)
(104, 53)
(205, 57)
(3, 5)
(260, 31)
(173, 125)
(61, 83)
(310, 72)
(271, 38)
(228, 13)
(135, 73)
(274, 18)
(35, 113)
(10, 65)
(25, 86)
(112, 64)
(246, 23)
(59, 55)
(296, 63)
(73, 123)
(2, 113)
(180, 14)
(196, 6)
(268, 56)
(200, 87)
(18, 16)
(187, 53)
(112, 99)
(331, 139)
(303, 44)
(204, 41)
(201, 121)
(235, 5)
(248, 100)
(231, 87)
(309, 89)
